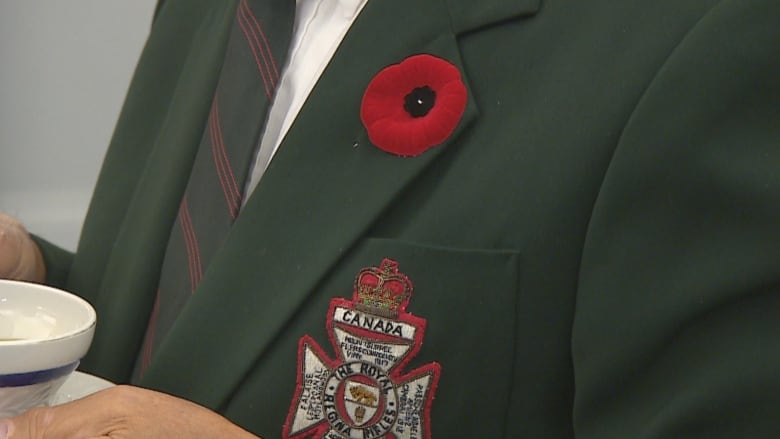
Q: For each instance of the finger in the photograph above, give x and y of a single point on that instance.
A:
(20, 257)
(47, 423)
(28, 425)
(10, 246)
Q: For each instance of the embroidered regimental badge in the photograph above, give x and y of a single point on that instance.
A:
(364, 393)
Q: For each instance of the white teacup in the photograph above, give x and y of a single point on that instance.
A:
(44, 332)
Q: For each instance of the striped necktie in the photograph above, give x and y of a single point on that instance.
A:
(258, 45)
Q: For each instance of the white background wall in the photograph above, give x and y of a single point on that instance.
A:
(64, 70)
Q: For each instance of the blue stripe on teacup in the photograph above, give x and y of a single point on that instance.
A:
(40, 376)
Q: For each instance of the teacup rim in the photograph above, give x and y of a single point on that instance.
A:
(90, 323)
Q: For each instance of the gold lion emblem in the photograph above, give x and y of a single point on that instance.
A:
(363, 396)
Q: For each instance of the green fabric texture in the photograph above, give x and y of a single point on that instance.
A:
(594, 249)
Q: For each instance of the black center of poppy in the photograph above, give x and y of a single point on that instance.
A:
(420, 101)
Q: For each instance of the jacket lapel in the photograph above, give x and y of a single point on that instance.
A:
(323, 190)
(469, 15)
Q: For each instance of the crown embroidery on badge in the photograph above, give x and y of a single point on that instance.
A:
(364, 393)
(382, 291)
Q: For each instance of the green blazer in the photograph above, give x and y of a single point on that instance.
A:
(595, 248)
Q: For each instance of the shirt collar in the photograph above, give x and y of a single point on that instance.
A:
(351, 4)
(349, 8)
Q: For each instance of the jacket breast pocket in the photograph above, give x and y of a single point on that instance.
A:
(467, 298)
(461, 316)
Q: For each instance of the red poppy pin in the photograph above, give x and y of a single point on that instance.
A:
(413, 106)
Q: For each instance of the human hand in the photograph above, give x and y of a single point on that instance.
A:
(122, 412)
(20, 257)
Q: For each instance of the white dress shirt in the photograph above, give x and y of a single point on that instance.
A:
(320, 26)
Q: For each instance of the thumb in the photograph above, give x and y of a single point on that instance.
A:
(7, 429)
(66, 421)
(20, 257)
(18, 428)
(32, 424)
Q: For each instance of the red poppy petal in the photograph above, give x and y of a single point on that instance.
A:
(390, 127)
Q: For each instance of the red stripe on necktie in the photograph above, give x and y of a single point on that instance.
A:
(146, 361)
(265, 46)
(268, 80)
(191, 242)
(225, 174)
(262, 35)
(186, 237)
